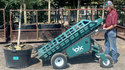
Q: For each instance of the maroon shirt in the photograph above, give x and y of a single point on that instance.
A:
(111, 18)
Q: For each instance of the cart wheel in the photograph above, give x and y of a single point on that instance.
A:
(109, 62)
(59, 61)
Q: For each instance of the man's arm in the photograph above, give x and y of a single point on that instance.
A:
(111, 27)
(104, 26)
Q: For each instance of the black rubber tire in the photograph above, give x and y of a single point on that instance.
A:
(109, 65)
(59, 55)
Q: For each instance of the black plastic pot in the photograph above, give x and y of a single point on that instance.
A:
(1, 26)
(49, 26)
(17, 58)
(33, 26)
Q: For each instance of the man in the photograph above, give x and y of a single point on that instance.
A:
(110, 27)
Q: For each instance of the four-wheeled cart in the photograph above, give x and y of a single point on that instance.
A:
(73, 42)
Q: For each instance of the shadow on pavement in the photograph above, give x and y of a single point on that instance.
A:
(83, 58)
(34, 61)
(47, 63)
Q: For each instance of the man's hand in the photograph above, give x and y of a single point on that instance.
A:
(105, 28)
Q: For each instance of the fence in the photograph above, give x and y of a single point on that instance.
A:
(61, 18)
(3, 28)
(38, 30)
(39, 33)
(90, 14)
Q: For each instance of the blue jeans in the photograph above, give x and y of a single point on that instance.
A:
(110, 42)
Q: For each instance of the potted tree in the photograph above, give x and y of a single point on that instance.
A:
(17, 56)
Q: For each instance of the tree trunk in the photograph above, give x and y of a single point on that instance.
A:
(103, 14)
(58, 16)
(33, 16)
(73, 4)
(55, 16)
(78, 7)
(49, 11)
(19, 29)
(74, 12)
(25, 16)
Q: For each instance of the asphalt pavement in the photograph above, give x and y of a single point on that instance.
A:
(82, 62)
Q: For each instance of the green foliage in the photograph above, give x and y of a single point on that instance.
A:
(30, 3)
(11, 2)
(121, 14)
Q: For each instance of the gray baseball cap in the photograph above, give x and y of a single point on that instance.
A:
(107, 3)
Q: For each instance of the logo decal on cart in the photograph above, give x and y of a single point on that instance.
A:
(78, 49)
